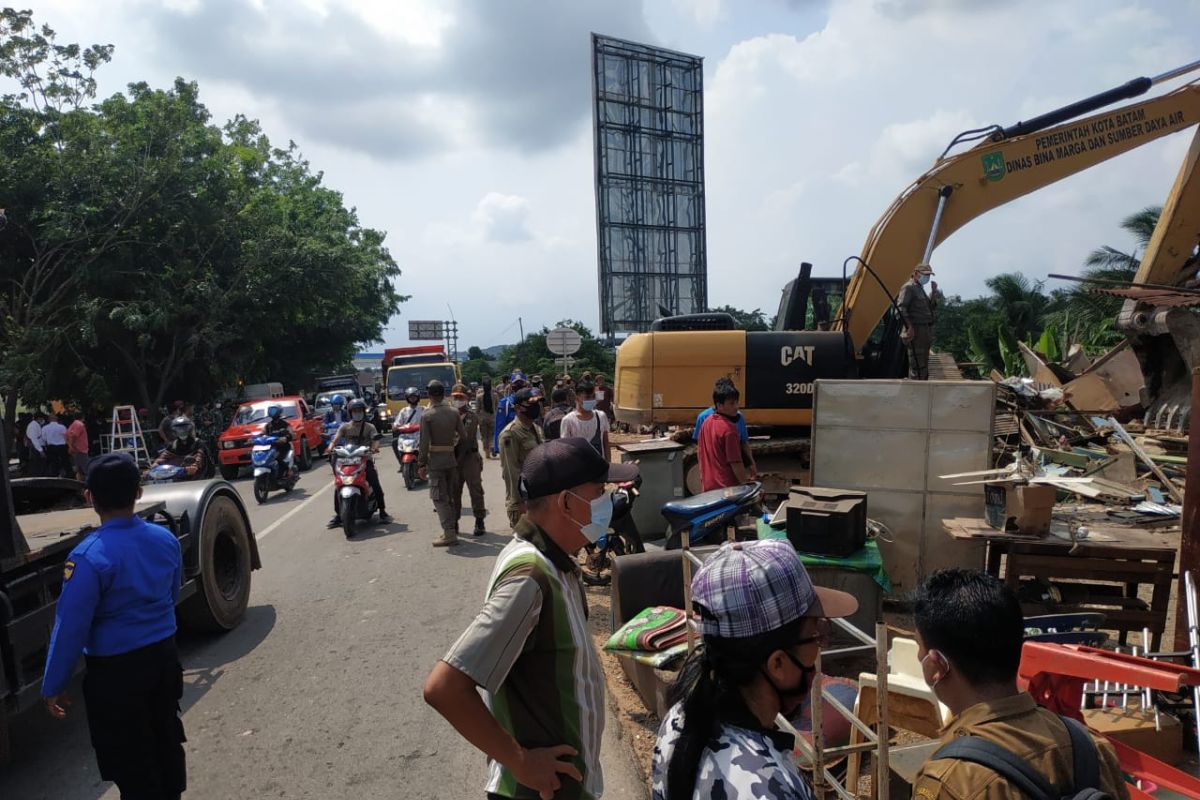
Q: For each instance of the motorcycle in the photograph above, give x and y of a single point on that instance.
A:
(703, 517)
(355, 499)
(623, 537)
(328, 431)
(269, 472)
(408, 442)
(166, 473)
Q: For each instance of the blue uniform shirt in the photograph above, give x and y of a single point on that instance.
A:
(743, 434)
(506, 412)
(119, 590)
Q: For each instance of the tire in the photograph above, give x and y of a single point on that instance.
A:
(410, 474)
(229, 472)
(223, 586)
(306, 461)
(350, 511)
(261, 488)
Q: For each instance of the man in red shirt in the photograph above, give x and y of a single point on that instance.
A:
(77, 446)
(720, 453)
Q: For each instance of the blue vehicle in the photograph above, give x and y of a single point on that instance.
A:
(703, 517)
(328, 431)
(270, 472)
(166, 473)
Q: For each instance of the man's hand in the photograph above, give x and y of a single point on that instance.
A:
(933, 287)
(908, 334)
(422, 474)
(753, 470)
(57, 705)
(539, 769)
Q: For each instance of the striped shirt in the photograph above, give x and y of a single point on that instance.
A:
(531, 652)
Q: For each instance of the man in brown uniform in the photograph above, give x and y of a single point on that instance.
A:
(486, 401)
(470, 464)
(517, 441)
(916, 311)
(441, 431)
(969, 634)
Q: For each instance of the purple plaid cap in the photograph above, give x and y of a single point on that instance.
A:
(751, 588)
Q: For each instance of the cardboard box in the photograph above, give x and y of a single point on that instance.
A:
(1135, 727)
(1023, 509)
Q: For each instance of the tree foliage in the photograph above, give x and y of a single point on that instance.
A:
(151, 254)
(532, 356)
(755, 320)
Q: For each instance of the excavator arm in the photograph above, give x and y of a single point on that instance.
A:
(1015, 162)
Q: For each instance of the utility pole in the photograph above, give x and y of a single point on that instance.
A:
(521, 326)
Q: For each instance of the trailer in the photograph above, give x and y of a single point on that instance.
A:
(41, 521)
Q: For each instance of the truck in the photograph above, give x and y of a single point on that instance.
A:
(346, 385)
(414, 367)
(665, 376)
(41, 521)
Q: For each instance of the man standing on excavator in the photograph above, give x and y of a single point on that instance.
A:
(916, 311)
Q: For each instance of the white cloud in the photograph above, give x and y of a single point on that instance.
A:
(503, 218)
(704, 12)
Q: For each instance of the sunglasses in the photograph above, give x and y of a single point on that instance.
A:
(823, 635)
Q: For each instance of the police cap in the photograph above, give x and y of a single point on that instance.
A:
(562, 464)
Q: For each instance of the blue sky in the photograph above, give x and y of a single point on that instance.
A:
(463, 127)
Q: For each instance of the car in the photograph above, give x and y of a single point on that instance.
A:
(233, 446)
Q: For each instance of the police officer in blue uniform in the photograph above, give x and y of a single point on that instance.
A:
(117, 608)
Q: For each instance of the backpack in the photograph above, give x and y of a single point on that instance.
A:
(552, 424)
(1018, 773)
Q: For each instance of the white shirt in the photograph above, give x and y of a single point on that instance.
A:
(54, 433)
(591, 429)
(33, 432)
(410, 415)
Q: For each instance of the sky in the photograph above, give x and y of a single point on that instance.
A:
(463, 128)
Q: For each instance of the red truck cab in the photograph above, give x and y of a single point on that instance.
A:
(233, 446)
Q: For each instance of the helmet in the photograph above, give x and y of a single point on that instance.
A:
(357, 404)
(412, 392)
(182, 428)
(274, 411)
(337, 400)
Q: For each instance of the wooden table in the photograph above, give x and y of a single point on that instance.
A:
(1127, 557)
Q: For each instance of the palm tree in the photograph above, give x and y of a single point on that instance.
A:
(1020, 302)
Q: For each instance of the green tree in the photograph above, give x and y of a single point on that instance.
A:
(475, 353)
(532, 357)
(755, 320)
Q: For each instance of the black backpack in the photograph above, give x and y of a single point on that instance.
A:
(1022, 776)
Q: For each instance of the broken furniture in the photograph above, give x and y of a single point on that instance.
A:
(1106, 569)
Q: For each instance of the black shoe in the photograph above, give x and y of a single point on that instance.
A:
(384, 517)
(336, 522)
(479, 529)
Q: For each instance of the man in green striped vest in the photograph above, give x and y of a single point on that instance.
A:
(529, 648)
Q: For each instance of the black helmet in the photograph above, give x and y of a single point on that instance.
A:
(357, 404)
(182, 428)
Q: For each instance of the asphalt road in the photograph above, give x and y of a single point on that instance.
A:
(318, 693)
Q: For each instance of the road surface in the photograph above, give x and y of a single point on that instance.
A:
(318, 693)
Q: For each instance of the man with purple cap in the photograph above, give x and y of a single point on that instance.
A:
(763, 624)
(530, 649)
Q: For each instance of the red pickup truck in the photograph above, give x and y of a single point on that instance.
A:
(233, 446)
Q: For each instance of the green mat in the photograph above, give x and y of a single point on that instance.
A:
(867, 560)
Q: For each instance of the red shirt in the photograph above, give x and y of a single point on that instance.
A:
(77, 437)
(720, 449)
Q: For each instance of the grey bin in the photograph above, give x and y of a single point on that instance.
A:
(660, 462)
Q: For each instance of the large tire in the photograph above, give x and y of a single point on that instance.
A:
(229, 471)
(261, 488)
(305, 457)
(223, 586)
(350, 512)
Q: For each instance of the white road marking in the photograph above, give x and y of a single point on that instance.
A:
(270, 528)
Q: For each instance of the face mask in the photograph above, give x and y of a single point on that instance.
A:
(940, 678)
(460, 404)
(589, 405)
(790, 699)
(533, 410)
(601, 513)
(924, 279)
(357, 416)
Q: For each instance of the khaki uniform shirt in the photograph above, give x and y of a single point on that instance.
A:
(517, 441)
(1026, 730)
(469, 444)
(915, 306)
(441, 431)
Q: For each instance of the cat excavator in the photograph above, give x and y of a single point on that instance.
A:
(665, 376)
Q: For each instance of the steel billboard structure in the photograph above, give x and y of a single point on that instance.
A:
(649, 156)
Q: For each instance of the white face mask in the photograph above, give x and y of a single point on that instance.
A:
(924, 279)
(601, 516)
(460, 403)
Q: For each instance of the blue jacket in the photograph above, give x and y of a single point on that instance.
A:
(119, 589)
(505, 413)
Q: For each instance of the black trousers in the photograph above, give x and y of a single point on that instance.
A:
(372, 481)
(58, 461)
(133, 717)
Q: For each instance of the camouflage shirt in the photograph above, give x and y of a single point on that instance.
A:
(741, 762)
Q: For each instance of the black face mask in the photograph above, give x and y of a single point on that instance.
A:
(791, 699)
(533, 410)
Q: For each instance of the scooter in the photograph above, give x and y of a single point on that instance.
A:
(269, 472)
(703, 517)
(355, 499)
(408, 442)
(328, 431)
(623, 537)
(165, 473)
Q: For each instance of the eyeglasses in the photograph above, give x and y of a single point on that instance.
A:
(823, 635)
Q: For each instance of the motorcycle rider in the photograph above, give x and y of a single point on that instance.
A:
(278, 427)
(337, 411)
(409, 415)
(184, 449)
(360, 433)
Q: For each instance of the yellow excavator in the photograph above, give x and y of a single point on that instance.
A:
(665, 376)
